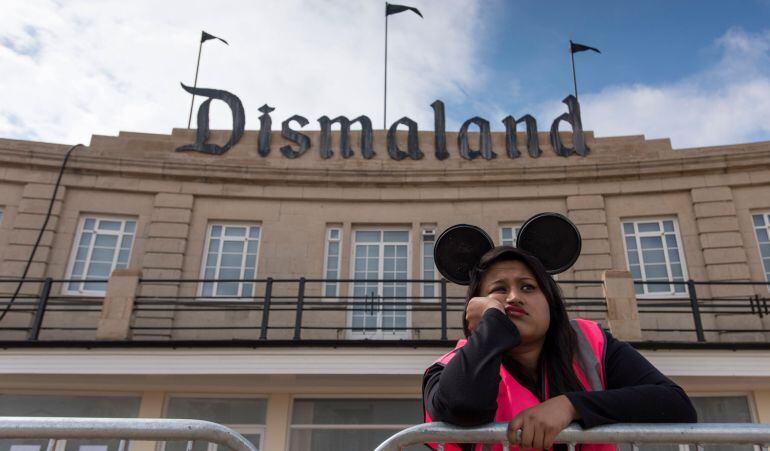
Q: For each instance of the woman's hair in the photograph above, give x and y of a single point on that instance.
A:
(560, 339)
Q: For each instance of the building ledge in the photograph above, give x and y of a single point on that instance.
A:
(381, 359)
(333, 344)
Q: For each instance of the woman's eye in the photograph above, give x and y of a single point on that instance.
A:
(528, 287)
(497, 290)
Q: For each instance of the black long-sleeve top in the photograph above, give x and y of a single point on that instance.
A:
(464, 391)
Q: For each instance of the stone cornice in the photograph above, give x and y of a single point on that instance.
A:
(612, 159)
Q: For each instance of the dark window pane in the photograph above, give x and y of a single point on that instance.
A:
(69, 406)
(225, 411)
(357, 411)
(341, 439)
(723, 409)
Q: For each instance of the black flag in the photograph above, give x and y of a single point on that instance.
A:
(205, 37)
(575, 47)
(395, 9)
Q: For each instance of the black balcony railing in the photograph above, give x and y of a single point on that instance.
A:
(42, 306)
(304, 310)
(716, 306)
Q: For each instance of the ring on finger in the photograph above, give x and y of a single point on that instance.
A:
(519, 432)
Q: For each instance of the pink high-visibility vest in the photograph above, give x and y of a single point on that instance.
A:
(512, 397)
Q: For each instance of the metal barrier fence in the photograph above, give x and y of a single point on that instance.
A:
(634, 435)
(122, 429)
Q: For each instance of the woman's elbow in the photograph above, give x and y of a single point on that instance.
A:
(691, 415)
(687, 411)
(460, 413)
(468, 417)
(462, 409)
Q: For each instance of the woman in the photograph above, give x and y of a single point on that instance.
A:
(525, 362)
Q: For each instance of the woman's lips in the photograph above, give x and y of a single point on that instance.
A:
(515, 311)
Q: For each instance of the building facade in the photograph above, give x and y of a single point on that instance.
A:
(296, 299)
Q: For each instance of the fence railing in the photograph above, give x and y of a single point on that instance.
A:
(304, 308)
(634, 435)
(697, 435)
(683, 298)
(44, 307)
(350, 310)
(123, 429)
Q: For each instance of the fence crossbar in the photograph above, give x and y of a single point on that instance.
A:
(122, 429)
(703, 433)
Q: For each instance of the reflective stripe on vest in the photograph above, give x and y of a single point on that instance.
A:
(512, 398)
(590, 352)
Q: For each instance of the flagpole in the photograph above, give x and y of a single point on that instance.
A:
(574, 78)
(195, 84)
(385, 97)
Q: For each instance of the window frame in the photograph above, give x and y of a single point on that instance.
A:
(379, 334)
(514, 231)
(680, 248)
(76, 244)
(62, 443)
(328, 241)
(204, 256)
(240, 428)
(332, 396)
(766, 219)
(750, 401)
(428, 231)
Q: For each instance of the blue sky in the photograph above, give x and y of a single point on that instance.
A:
(649, 41)
(653, 41)
(697, 72)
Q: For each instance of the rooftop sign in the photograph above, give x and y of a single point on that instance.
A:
(302, 142)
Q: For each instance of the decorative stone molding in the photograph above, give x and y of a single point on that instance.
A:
(118, 306)
(622, 311)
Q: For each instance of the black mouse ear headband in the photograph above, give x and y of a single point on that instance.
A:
(550, 237)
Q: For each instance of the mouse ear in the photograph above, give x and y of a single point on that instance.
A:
(553, 239)
(458, 250)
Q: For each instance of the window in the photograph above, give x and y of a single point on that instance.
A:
(245, 415)
(508, 235)
(334, 424)
(723, 409)
(380, 267)
(762, 229)
(102, 406)
(332, 261)
(713, 409)
(102, 245)
(231, 261)
(429, 289)
(653, 252)
(1, 216)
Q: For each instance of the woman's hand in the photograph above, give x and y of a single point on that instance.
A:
(476, 308)
(541, 424)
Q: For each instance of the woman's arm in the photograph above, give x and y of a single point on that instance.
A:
(464, 392)
(636, 392)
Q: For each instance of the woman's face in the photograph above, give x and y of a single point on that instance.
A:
(512, 283)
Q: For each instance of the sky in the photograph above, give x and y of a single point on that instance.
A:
(697, 72)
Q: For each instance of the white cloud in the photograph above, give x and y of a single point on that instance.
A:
(725, 104)
(76, 68)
